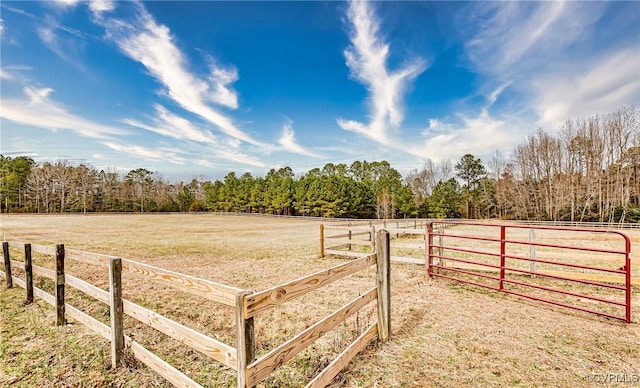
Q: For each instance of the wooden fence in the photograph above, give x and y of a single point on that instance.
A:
(251, 304)
(247, 305)
(119, 307)
(352, 241)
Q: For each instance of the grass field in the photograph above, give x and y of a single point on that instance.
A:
(444, 334)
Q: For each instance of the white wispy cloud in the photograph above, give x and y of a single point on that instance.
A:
(493, 95)
(204, 163)
(168, 124)
(64, 3)
(367, 61)
(6, 36)
(551, 54)
(39, 110)
(48, 36)
(479, 135)
(97, 7)
(609, 83)
(220, 80)
(542, 53)
(195, 140)
(235, 156)
(51, 21)
(65, 42)
(5, 75)
(227, 151)
(511, 35)
(151, 44)
(171, 155)
(289, 143)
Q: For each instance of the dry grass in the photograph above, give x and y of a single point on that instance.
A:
(444, 334)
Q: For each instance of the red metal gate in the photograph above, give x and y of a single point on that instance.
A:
(491, 256)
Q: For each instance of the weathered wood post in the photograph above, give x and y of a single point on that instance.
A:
(116, 311)
(383, 282)
(245, 339)
(60, 280)
(372, 238)
(7, 263)
(321, 240)
(349, 248)
(28, 270)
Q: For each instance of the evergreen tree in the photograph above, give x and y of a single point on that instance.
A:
(445, 200)
(471, 171)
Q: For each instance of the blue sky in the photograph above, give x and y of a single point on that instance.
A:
(198, 89)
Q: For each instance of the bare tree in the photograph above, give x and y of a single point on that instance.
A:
(86, 179)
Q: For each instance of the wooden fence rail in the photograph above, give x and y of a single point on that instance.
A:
(277, 295)
(252, 371)
(247, 305)
(341, 241)
(119, 307)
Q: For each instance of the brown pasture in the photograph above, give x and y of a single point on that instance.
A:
(444, 334)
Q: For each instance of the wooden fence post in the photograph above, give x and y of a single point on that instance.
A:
(60, 319)
(28, 270)
(383, 282)
(349, 248)
(7, 263)
(321, 240)
(245, 339)
(372, 238)
(116, 311)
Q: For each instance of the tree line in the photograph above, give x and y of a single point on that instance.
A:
(361, 190)
(589, 170)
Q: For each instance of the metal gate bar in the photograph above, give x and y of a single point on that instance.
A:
(483, 269)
